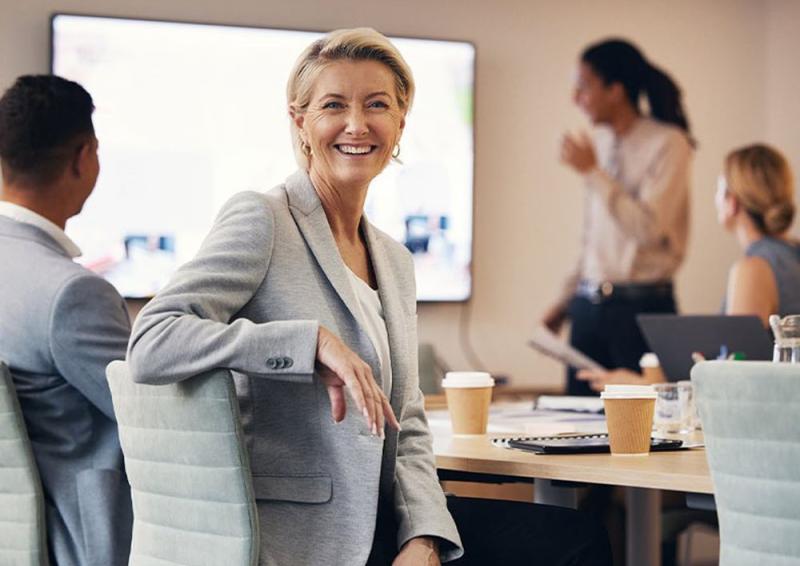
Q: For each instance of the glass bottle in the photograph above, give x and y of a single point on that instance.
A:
(787, 338)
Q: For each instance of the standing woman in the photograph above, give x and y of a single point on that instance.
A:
(636, 216)
(314, 309)
(755, 202)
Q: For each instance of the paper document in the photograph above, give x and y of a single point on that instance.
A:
(551, 345)
(569, 403)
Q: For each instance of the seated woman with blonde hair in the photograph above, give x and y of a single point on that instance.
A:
(755, 202)
(314, 309)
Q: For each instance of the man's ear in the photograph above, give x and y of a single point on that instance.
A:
(82, 157)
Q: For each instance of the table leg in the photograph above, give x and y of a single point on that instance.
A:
(643, 526)
(546, 493)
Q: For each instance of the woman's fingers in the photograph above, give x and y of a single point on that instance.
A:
(338, 402)
(375, 399)
(364, 375)
(338, 367)
(358, 379)
(588, 374)
(380, 424)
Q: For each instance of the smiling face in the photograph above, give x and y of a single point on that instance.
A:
(352, 123)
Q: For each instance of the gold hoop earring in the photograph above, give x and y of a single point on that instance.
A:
(396, 152)
(305, 148)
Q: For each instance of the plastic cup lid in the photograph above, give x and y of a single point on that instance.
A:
(649, 360)
(629, 392)
(467, 379)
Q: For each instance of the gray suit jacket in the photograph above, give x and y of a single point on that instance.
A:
(251, 300)
(60, 325)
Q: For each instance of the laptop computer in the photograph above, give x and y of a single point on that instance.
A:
(674, 338)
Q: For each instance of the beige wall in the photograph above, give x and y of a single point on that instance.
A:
(734, 58)
(783, 79)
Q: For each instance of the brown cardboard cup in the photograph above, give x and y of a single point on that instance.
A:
(651, 368)
(629, 415)
(469, 395)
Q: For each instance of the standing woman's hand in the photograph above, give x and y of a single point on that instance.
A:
(578, 153)
(339, 367)
(554, 317)
(420, 551)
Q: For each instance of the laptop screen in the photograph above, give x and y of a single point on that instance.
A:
(674, 338)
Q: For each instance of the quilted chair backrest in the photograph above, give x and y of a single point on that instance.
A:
(23, 539)
(750, 413)
(190, 478)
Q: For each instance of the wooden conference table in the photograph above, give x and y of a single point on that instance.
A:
(474, 457)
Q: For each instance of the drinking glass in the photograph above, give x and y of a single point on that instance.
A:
(668, 416)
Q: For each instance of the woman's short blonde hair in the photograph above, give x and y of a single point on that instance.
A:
(357, 44)
(761, 180)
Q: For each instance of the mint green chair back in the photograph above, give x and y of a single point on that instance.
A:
(190, 479)
(23, 540)
(751, 421)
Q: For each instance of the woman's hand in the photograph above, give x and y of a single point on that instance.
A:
(598, 379)
(578, 153)
(339, 367)
(420, 551)
(554, 317)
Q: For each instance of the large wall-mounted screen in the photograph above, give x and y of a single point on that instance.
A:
(189, 114)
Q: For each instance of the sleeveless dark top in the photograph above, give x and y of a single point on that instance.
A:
(784, 259)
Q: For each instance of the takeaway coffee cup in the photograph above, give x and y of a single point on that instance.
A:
(469, 394)
(629, 414)
(651, 368)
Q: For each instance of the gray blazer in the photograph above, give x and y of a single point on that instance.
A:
(60, 325)
(251, 300)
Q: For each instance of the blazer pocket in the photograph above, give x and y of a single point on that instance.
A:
(299, 489)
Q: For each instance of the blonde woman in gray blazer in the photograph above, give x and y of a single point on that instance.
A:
(315, 311)
(280, 293)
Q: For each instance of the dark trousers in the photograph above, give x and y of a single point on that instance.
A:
(607, 332)
(512, 534)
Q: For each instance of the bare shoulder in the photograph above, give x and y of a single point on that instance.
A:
(752, 288)
(752, 268)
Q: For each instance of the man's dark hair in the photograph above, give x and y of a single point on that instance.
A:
(43, 121)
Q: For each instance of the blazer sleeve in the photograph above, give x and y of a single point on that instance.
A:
(89, 328)
(189, 327)
(420, 505)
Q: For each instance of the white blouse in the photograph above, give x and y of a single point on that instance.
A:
(636, 219)
(372, 320)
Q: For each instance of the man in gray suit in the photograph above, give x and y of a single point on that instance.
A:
(60, 324)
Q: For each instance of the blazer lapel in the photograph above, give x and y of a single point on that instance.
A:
(307, 211)
(393, 314)
(309, 215)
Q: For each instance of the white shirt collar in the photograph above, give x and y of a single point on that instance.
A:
(26, 215)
